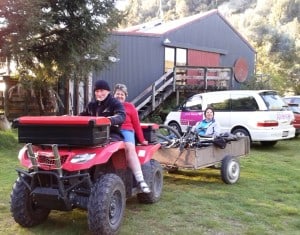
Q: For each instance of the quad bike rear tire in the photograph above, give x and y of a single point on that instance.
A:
(153, 175)
(24, 211)
(106, 205)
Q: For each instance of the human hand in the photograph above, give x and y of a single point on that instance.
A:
(145, 142)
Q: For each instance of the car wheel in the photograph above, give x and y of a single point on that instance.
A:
(106, 205)
(241, 132)
(175, 126)
(230, 170)
(23, 208)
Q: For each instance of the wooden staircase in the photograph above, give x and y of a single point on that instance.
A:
(182, 79)
(155, 94)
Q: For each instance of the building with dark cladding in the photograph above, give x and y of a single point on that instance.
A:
(145, 52)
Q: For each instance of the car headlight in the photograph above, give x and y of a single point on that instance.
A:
(80, 158)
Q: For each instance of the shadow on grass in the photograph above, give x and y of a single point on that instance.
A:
(58, 222)
(194, 176)
(280, 146)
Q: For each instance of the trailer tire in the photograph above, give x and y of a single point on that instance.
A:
(230, 169)
(22, 206)
(153, 175)
(106, 205)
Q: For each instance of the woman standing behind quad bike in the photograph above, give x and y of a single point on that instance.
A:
(129, 128)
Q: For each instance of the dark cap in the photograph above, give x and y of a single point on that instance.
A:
(101, 84)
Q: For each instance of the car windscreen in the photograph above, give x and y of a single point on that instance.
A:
(273, 101)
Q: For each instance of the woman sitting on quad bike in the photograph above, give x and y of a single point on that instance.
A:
(129, 128)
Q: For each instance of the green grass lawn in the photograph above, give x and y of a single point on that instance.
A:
(264, 201)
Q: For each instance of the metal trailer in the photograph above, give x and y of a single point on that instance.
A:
(207, 156)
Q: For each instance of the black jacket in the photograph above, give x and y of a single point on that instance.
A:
(110, 107)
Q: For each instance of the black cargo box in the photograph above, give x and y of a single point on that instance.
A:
(63, 130)
(149, 130)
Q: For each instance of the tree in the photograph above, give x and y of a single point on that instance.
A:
(52, 40)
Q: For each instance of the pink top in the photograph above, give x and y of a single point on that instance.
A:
(132, 121)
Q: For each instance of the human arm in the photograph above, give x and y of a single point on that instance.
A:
(88, 110)
(199, 128)
(118, 113)
(213, 129)
(134, 117)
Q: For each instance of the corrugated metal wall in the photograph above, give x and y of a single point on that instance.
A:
(142, 56)
(141, 63)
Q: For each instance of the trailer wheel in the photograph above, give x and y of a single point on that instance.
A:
(153, 175)
(23, 208)
(230, 170)
(106, 205)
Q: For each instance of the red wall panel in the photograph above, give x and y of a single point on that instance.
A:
(202, 58)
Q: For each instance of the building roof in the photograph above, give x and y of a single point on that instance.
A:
(159, 28)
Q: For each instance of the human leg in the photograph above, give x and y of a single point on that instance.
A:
(135, 166)
(133, 160)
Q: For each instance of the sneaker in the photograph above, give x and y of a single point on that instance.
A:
(144, 187)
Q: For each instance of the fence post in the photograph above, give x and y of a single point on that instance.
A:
(153, 96)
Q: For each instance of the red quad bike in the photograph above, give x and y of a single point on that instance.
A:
(71, 163)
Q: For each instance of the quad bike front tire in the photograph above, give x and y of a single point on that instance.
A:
(153, 175)
(23, 208)
(230, 169)
(106, 205)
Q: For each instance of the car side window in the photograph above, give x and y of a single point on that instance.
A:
(219, 103)
(243, 103)
(193, 104)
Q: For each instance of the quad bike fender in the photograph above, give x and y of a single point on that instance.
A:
(145, 152)
(102, 156)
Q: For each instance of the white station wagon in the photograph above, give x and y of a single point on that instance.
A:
(260, 114)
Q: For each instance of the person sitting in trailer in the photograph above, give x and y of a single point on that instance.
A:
(208, 127)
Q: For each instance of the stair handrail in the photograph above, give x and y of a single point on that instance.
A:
(159, 85)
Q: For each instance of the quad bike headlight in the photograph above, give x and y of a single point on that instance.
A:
(81, 158)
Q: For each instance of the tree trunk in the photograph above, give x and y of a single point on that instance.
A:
(4, 123)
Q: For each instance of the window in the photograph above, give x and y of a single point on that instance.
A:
(169, 58)
(243, 103)
(273, 101)
(181, 57)
(219, 102)
(193, 104)
(175, 56)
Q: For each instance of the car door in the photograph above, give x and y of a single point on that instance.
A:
(191, 111)
(220, 102)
